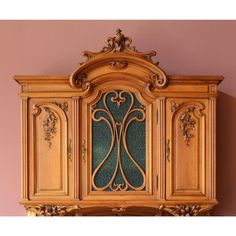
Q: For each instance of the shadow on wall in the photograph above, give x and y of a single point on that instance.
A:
(226, 155)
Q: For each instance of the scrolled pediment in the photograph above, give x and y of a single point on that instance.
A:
(118, 57)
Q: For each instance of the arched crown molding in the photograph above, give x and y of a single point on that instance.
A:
(118, 57)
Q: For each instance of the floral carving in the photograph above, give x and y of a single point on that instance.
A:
(49, 126)
(52, 210)
(187, 124)
(186, 210)
(118, 211)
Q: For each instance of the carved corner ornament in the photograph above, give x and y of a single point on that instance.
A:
(158, 81)
(79, 81)
(63, 105)
(175, 106)
(186, 210)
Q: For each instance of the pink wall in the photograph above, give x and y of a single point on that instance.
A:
(54, 47)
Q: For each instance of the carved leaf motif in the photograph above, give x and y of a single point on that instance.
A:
(49, 126)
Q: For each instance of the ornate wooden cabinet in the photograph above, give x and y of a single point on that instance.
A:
(118, 137)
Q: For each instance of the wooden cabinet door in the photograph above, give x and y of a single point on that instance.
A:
(50, 148)
(117, 145)
(186, 148)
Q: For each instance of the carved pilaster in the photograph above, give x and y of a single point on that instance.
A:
(75, 139)
(24, 163)
(162, 138)
(212, 147)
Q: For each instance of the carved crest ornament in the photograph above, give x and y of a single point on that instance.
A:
(115, 47)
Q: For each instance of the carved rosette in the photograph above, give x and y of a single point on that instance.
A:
(186, 210)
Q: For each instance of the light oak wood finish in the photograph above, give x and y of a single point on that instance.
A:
(179, 114)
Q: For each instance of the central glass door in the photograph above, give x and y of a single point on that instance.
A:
(117, 135)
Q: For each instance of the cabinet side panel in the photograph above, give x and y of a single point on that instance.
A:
(187, 131)
(49, 175)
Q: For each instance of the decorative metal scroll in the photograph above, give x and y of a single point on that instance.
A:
(118, 143)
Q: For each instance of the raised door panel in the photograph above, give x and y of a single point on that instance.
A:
(50, 148)
(116, 145)
(186, 148)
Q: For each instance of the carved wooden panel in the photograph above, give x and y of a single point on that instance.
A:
(115, 145)
(186, 147)
(50, 147)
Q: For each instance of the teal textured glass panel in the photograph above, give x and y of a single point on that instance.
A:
(118, 142)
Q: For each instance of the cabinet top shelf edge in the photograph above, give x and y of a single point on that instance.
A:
(64, 79)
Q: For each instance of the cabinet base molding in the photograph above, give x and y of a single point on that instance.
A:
(162, 210)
